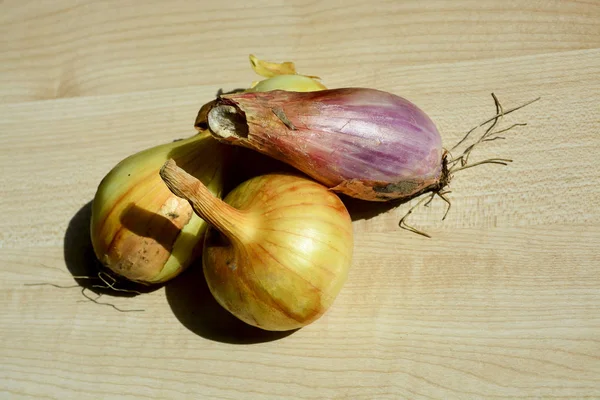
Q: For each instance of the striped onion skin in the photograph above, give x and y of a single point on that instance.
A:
(365, 143)
(278, 250)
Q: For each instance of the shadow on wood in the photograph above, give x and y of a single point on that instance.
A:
(196, 308)
(362, 209)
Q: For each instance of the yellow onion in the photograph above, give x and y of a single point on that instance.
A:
(139, 229)
(278, 250)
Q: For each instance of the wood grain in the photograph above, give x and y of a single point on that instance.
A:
(501, 303)
(72, 48)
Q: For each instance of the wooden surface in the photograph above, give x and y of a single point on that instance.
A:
(502, 302)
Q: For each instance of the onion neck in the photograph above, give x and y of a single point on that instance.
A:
(227, 122)
(231, 222)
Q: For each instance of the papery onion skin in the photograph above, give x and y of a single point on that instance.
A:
(278, 250)
(365, 143)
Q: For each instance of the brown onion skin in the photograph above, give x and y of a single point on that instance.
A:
(365, 143)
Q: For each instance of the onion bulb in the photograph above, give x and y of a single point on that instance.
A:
(365, 143)
(139, 229)
(278, 249)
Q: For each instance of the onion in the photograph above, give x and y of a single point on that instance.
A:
(140, 230)
(365, 143)
(278, 250)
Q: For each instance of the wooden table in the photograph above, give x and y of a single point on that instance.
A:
(502, 302)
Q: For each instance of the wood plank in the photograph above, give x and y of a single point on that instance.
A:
(74, 48)
(501, 303)
(511, 314)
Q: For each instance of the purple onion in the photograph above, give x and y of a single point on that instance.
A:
(365, 143)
